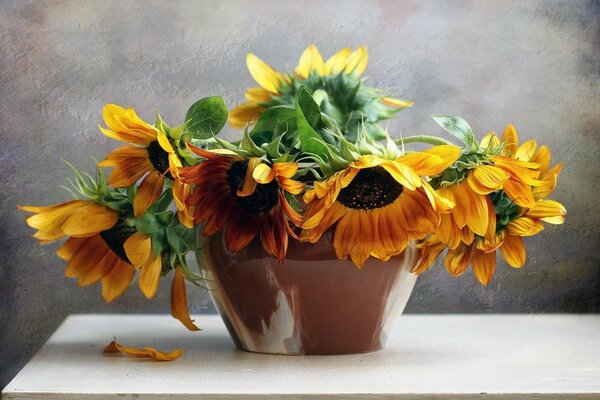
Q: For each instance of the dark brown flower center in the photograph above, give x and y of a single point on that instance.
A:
(371, 188)
(159, 158)
(264, 197)
(116, 236)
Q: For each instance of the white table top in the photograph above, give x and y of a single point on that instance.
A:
(428, 357)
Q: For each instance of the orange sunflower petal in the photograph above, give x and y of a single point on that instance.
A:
(138, 248)
(146, 352)
(89, 220)
(150, 276)
(484, 266)
(147, 194)
(513, 251)
(117, 280)
(179, 308)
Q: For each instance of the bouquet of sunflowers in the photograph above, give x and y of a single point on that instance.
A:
(312, 157)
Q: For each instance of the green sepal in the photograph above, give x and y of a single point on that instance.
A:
(457, 127)
(206, 117)
(159, 242)
(249, 146)
(164, 217)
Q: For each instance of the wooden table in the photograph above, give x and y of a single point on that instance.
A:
(428, 357)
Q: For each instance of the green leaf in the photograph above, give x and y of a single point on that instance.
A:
(273, 117)
(273, 148)
(147, 224)
(306, 110)
(206, 117)
(456, 126)
(176, 243)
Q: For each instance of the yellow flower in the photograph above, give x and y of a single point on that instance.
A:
(244, 198)
(94, 248)
(150, 156)
(378, 205)
(496, 208)
(273, 84)
(102, 247)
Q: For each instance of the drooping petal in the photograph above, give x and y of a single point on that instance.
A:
(89, 220)
(179, 307)
(150, 276)
(147, 194)
(513, 251)
(146, 352)
(138, 248)
(484, 266)
(116, 282)
(249, 185)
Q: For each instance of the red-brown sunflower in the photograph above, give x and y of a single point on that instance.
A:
(244, 198)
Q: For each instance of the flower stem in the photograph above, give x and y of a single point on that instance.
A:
(423, 139)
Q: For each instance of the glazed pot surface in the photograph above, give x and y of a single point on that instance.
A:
(313, 303)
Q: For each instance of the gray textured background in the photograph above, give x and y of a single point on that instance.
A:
(534, 63)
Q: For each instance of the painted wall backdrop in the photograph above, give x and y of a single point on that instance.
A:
(531, 63)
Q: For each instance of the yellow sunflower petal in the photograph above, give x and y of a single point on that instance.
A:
(458, 260)
(257, 95)
(138, 248)
(179, 308)
(490, 141)
(432, 161)
(263, 174)
(249, 182)
(524, 226)
(148, 192)
(262, 73)
(511, 141)
(547, 209)
(542, 157)
(484, 266)
(357, 61)
(125, 125)
(150, 276)
(403, 174)
(310, 61)
(397, 103)
(146, 352)
(485, 179)
(117, 280)
(478, 216)
(89, 220)
(336, 63)
(513, 251)
(245, 114)
(520, 193)
(526, 151)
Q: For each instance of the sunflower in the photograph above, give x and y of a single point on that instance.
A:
(101, 246)
(378, 204)
(347, 99)
(151, 156)
(516, 208)
(94, 250)
(243, 197)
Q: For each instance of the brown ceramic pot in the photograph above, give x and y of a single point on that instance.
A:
(313, 303)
